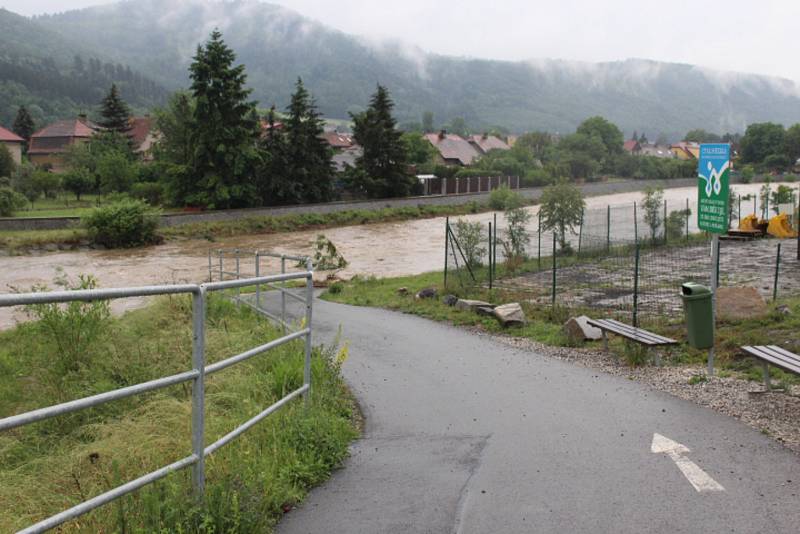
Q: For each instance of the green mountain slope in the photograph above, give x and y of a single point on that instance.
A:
(277, 45)
(56, 76)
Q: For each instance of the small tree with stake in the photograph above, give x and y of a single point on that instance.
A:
(562, 210)
(653, 205)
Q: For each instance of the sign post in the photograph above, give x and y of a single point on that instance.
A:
(713, 191)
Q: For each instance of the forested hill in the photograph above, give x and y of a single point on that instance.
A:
(55, 76)
(159, 37)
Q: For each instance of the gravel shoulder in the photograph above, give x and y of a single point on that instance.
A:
(775, 413)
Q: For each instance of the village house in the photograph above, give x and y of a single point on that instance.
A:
(656, 151)
(14, 144)
(484, 143)
(452, 149)
(686, 150)
(632, 146)
(143, 137)
(48, 145)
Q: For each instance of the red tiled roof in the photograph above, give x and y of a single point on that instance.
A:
(631, 145)
(7, 136)
(338, 140)
(453, 147)
(67, 128)
(140, 128)
(488, 142)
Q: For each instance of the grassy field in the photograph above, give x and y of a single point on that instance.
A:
(63, 205)
(51, 465)
(545, 323)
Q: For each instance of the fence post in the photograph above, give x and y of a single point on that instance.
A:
(580, 233)
(608, 227)
(539, 248)
(309, 300)
(198, 391)
(555, 268)
(755, 205)
(210, 279)
(797, 228)
(258, 286)
(238, 289)
(636, 288)
(446, 241)
(777, 271)
(739, 213)
(687, 219)
(490, 255)
(635, 225)
(494, 248)
(221, 273)
(283, 293)
(665, 221)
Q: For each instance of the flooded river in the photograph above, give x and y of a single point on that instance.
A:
(386, 249)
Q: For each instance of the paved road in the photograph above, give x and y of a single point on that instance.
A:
(466, 435)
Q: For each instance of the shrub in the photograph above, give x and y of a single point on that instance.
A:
(470, 236)
(562, 210)
(326, 256)
(653, 205)
(128, 223)
(676, 224)
(150, 192)
(504, 198)
(517, 236)
(10, 201)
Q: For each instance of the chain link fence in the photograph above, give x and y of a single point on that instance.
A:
(618, 262)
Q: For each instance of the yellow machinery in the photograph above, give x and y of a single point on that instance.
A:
(781, 226)
(749, 224)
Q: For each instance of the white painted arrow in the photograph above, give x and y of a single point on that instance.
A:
(696, 476)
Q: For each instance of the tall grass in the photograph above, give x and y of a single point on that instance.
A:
(54, 464)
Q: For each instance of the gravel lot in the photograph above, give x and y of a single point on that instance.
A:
(775, 413)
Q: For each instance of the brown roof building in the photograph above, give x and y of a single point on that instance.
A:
(453, 149)
(13, 142)
(143, 136)
(484, 143)
(48, 145)
(338, 141)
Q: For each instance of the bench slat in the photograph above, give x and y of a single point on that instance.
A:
(629, 331)
(776, 356)
(636, 334)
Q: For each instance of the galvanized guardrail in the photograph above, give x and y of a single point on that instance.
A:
(196, 375)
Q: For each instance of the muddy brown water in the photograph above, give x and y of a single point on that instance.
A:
(385, 249)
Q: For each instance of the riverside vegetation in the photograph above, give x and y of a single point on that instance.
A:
(80, 349)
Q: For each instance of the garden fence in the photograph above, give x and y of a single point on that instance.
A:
(227, 281)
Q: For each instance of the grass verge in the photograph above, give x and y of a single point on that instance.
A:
(52, 465)
(545, 323)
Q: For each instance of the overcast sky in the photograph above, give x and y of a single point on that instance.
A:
(740, 35)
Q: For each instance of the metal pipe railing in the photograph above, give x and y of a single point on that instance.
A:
(196, 375)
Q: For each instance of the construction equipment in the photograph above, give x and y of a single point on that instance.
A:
(781, 226)
(749, 223)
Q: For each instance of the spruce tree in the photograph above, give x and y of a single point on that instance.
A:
(225, 132)
(115, 112)
(23, 124)
(382, 167)
(272, 181)
(308, 155)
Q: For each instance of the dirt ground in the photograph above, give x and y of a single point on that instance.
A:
(608, 282)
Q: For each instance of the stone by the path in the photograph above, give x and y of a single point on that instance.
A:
(487, 311)
(470, 305)
(510, 314)
(402, 291)
(427, 293)
(578, 330)
(450, 300)
(740, 303)
(783, 309)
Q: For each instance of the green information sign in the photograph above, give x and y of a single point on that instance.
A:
(713, 187)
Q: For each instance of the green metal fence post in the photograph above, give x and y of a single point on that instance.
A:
(777, 271)
(739, 214)
(608, 227)
(665, 221)
(490, 255)
(635, 225)
(636, 288)
(580, 233)
(446, 241)
(555, 267)
(539, 248)
(687, 219)
(494, 248)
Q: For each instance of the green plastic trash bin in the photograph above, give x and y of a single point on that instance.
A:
(698, 313)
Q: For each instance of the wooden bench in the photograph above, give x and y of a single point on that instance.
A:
(637, 335)
(772, 354)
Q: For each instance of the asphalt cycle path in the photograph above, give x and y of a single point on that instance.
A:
(464, 434)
